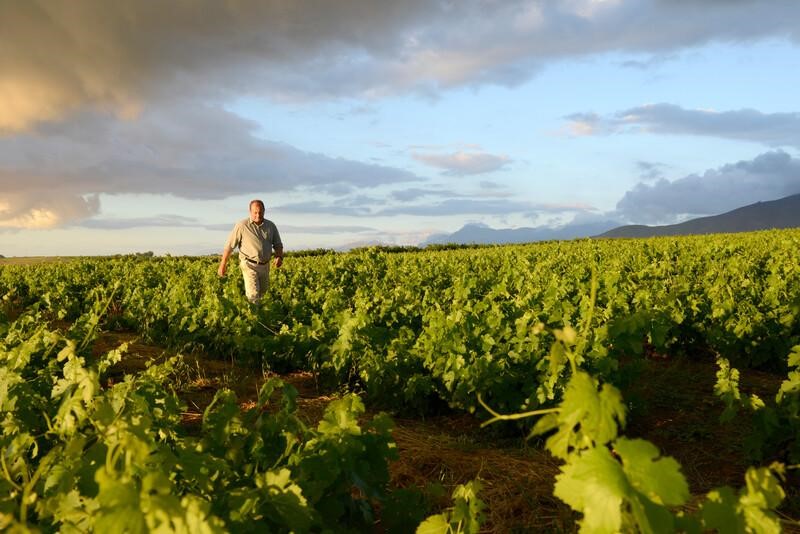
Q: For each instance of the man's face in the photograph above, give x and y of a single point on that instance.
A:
(256, 213)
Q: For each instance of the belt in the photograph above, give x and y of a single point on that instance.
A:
(256, 262)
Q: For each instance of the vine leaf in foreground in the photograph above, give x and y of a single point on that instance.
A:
(587, 416)
(599, 485)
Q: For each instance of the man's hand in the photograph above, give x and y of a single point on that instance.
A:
(278, 261)
(223, 263)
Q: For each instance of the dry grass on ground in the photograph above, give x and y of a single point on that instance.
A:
(677, 412)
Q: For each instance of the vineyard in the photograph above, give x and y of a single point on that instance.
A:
(560, 348)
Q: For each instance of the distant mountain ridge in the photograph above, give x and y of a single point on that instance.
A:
(781, 213)
(481, 234)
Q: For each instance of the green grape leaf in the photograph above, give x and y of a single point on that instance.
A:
(599, 485)
(586, 417)
(593, 483)
(222, 418)
(719, 511)
(659, 479)
(119, 509)
(465, 516)
(468, 507)
(198, 517)
(435, 524)
(762, 494)
(286, 500)
(727, 389)
(753, 510)
(341, 416)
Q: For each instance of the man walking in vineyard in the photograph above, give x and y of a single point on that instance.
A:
(256, 238)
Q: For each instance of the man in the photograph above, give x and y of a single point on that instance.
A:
(256, 238)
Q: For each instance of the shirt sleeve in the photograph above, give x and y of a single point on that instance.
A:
(235, 237)
(276, 238)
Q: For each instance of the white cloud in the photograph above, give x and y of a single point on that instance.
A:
(166, 220)
(38, 208)
(771, 129)
(650, 170)
(327, 230)
(464, 163)
(482, 206)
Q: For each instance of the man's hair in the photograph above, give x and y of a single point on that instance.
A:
(256, 201)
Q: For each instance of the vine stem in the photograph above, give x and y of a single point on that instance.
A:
(96, 323)
(7, 473)
(26, 491)
(511, 417)
(587, 325)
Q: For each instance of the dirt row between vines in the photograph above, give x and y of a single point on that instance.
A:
(675, 409)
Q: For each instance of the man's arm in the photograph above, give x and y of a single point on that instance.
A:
(277, 246)
(223, 264)
(234, 240)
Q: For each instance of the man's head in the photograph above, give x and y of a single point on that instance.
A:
(256, 211)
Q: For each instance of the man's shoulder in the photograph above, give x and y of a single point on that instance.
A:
(270, 223)
(239, 227)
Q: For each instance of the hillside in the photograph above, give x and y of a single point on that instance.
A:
(781, 213)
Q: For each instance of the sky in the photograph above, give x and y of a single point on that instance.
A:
(149, 126)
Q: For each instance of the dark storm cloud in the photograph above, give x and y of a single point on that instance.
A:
(188, 150)
(770, 176)
(58, 55)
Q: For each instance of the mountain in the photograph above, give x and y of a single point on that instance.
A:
(781, 213)
(482, 234)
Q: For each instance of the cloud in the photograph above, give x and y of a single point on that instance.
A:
(769, 176)
(415, 193)
(319, 207)
(188, 149)
(648, 63)
(771, 129)
(585, 124)
(165, 220)
(650, 170)
(39, 208)
(59, 57)
(464, 163)
(488, 189)
(325, 230)
(464, 204)
(488, 184)
(472, 206)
